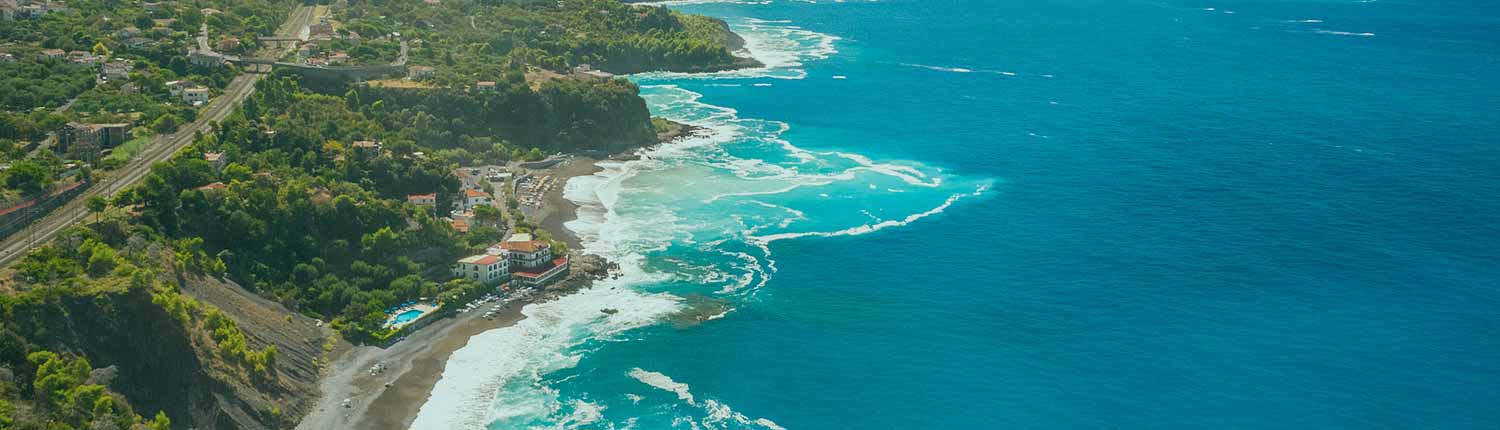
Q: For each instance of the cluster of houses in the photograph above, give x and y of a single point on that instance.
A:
(520, 260)
(11, 10)
(313, 51)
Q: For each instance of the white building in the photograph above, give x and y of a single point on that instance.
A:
(195, 96)
(473, 198)
(483, 268)
(527, 253)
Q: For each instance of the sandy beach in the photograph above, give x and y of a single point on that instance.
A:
(560, 210)
(414, 366)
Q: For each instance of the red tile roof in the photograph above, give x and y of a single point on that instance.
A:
(471, 193)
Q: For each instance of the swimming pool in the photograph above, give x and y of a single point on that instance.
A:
(406, 317)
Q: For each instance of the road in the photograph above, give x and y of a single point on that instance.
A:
(161, 149)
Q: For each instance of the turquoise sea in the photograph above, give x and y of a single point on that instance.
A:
(976, 214)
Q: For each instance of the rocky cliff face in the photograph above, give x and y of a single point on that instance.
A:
(142, 352)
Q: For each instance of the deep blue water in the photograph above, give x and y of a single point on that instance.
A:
(1284, 216)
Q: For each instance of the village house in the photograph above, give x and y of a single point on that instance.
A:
(138, 42)
(53, 54)
(195, 96)
(338, 57)
(82, 57)
(483, 268)
(217, 159)
(129, 32)
(176, 87)
(7, 57)
(216, 186)
(367, 147)
(205, 58)
(588, 70)
(473, 198)
(229, 44)
(484, 86)
(419, 72)
(8, 9)
(459, 226)
(428, 199)
(116, 70)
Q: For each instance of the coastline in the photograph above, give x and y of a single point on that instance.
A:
(415, 365)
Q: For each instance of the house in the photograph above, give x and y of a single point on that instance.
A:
(460, 226)
(84, 141)
(152, 6)
(53, 54)
(213, 187)
(163, 23)
(217, 159)
(367, 147)
(195, 96)
(6, 57)
(474, 198)
(117, 70)
(525, 252)
(484, 86)
(208, 11)
(419, 72)
(129, 32)
(338, 57)
(483, 268)
(8, 10)
(176, 87)
(229, 44)
(588, 70)
(532, 262)
(138, 42)
(205, 58)
(82, 57)
(428, 199)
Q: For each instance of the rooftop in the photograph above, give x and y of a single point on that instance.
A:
(481, 259)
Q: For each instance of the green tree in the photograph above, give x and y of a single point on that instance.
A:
(96, 205)
(28, 177)
(161, 422)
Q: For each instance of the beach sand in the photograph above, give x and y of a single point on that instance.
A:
(559, 209)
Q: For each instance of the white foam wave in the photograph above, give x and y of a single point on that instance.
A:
(512, 360)
(781, 48)
(870, 228)
(1345, 33)
(717, 414)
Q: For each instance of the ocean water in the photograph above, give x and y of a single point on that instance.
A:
(973, 214)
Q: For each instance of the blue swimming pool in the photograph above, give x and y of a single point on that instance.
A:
(406, 317)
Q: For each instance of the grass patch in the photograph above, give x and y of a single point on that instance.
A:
(127, 150)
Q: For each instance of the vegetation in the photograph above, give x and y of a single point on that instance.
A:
(466, 40)
(299, 214)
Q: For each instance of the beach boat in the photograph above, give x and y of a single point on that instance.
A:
(610, 311)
